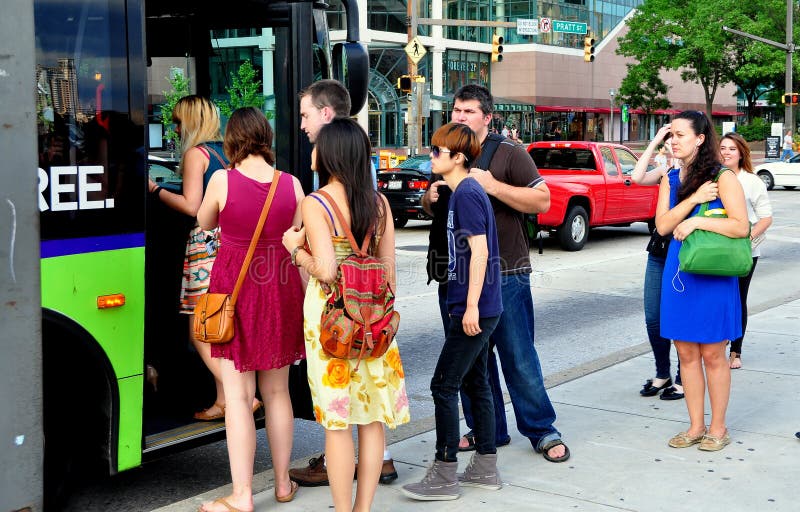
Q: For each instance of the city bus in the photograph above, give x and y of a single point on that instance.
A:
(111, 256)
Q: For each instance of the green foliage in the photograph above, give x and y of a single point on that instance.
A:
(245, 91)
(180, 88)
(643, 88)
(757, 129)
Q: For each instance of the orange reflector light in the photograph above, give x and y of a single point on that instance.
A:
(110, 301)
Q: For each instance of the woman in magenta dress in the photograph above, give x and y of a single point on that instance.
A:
(269, 311)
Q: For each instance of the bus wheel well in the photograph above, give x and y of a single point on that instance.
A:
(79, 396)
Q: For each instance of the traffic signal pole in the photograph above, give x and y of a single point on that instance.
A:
(788, 47)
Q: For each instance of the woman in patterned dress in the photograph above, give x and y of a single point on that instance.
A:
(374, 394)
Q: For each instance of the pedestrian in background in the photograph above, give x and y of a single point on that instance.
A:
(320, 103)
(474, 304)
(787, 145)
(373, 392)
(268, 334)
(656, 256)
(735, 155)
(701, 313)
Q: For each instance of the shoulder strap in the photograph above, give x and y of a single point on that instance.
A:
(213, 152)
(365, 245)
(490, 145)
(720, 173)
(254, 241)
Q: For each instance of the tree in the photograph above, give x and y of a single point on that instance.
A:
(684, 35)
(757, 68)
(643, 88)
(245, 91)
(180, 88)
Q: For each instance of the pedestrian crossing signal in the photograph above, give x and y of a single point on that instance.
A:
(790, 99)
(497, 48)
(404, 83)
(588, 49)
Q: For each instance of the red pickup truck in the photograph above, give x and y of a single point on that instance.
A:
(590, 186)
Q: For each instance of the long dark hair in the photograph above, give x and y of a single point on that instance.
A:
(705, 165)
(343, 151)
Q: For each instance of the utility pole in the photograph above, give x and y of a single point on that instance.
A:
(415, 105)
(788, 47)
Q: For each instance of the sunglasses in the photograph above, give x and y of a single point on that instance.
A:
(436, 151)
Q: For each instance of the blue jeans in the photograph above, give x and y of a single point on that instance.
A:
(513, 339)
(787, 154)
(462, 363)
(500, 423)
(652, 318)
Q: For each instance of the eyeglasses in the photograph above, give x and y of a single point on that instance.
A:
(436, 151)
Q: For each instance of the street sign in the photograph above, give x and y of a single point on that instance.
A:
(569, 27)
(773, 149)
(527, 27)
(544, 25)
(415, 50)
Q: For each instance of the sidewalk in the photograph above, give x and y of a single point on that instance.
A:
(620, 458)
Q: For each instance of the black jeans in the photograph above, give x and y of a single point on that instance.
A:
(463, 362)
(744, 288)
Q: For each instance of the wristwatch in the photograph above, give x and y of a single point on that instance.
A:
(294, 255)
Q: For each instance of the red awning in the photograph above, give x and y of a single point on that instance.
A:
(561, 108)
(601, 110)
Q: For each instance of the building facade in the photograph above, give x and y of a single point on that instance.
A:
(543, 87)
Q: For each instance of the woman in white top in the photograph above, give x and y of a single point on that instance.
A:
(735, 155)
(661, 158)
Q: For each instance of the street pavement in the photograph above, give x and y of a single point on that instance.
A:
(620, 458)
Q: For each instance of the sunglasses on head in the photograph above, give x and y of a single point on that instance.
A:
(436, 151)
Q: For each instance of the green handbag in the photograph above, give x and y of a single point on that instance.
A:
(706, 252)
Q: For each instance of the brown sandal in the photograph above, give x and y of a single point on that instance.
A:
(224, 503)
(205, 415)
(288, 497)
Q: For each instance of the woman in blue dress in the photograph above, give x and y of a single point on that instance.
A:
(700, 313)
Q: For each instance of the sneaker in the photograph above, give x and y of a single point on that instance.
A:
(482, 472)
(440, 483)
(313, 475)
(388, 472)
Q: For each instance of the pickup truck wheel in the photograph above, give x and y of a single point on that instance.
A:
(572, 235)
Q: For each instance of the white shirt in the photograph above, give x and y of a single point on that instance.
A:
(787, 142)
(757, 199)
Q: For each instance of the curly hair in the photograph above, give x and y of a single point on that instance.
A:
(706, 162)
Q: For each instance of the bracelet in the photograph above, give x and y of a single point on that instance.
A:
(157, 190)
(294, 255)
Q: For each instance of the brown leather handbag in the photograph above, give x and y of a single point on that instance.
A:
(215, 312)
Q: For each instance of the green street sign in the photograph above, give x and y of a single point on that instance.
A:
(570, 27)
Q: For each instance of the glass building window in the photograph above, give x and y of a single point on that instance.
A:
(463, 67)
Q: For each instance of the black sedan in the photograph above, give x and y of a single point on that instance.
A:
(404, 187)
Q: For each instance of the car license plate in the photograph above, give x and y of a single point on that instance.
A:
(395, 185)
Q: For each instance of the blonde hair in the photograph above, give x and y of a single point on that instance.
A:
(199, 123)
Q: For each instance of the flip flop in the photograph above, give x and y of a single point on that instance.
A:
(288, 497)
(552, 444)
(206, 416)
(735, 361)
(224, 503)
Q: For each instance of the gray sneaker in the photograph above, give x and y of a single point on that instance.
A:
(482, 472)
(439, 484)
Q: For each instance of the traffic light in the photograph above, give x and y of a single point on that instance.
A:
(588, 48)
(404, 83)
(790, 99)
(497, 48)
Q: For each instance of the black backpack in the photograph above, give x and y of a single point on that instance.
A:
(438, 258)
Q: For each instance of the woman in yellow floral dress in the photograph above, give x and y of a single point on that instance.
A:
(374, 394)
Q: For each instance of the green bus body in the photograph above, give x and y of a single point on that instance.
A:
(72, 284)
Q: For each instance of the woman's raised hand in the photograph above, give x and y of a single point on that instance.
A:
(294, 237)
